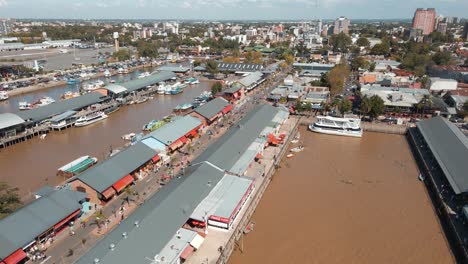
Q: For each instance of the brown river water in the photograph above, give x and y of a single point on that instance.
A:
(31, 164)
(346, 200)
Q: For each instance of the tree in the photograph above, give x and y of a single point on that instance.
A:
(424, 104)
(380, 49)
(377, 106)
(212, 67)
(372, 66)
(443, 58)
(9, 199)
(231, 59)
(365, 106)
(359, 62)
(363, 42)
(147, 49)
(217, 87)
(340, 42)
(345, 106)
(288, 58)
(253, 57)
(122, 55)
(337, 77)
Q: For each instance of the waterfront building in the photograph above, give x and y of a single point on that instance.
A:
(120, 89)
(239, 68)
(212, 110)
(11, 124)
(341, 25)
(424, 19)
(38, 221)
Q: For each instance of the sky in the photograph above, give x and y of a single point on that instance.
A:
(227, 9)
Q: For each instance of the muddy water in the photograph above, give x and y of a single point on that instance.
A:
(346, 200)
(31, 164)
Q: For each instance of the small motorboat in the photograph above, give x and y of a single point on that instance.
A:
(290, 155)
(421, 177)
(128, 136)
(294, 141)
(297, 149)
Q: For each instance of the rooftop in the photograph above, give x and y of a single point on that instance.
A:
(239, 67)
(251, 79)
(9, 120)
(174, 130)
(146, 81)
(212, 108)
(450, 148)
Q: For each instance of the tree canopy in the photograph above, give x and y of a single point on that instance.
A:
(340, 42)
(359, 62)
(122, 55)
(217, 87)
(337, 77)
(253, 57)
(9, 199)
(147, 49)
(443, 58)
(212, 67)
(362, 42)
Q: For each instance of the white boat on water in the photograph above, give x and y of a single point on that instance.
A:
(168, 89)
(107, 73)
(161, 89)
(24, 106)
(144, 74)
(120, 70)
(90, 119)
(297, 149)
(350, 127)
(46, 100)
(94, 85)
(78, 165)
(3, 96)
(129, 136)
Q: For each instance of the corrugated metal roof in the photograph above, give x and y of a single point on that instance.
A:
(150, 80)
(212, 108)
(115, 88)
(174, 69)
(108, 172)
(450, 148)
(174, 130)
(226, 151)
(223, 199)
(24, 225)
(243, 67)
(158, 219)
(77, 103)
(63, 116)
(251, 79)
(174, 248)
(9, 119)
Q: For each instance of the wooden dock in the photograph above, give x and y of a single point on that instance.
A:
(28, 134)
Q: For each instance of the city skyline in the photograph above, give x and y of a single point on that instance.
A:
(225, 10)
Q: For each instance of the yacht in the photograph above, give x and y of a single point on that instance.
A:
(161, 88)
(120, 71)
(143, 75)
(107, 73)
(3, 96)
(44, 101)
(337, 126)
(125, 71)
(24, 106)
(90, 119)
(168, 89)
(193, 81)
(94, 85)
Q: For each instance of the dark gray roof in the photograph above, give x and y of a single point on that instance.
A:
(23, 226)
(77, 103)
(150, 80)
(231, 146)
(234, 88)
(159, 218)
(63, 116)
(450, 148)
(9, 120)
(212, 108)
(108, 172)
(174, 130)
(174, 69)
(251, 79)
(240, 67)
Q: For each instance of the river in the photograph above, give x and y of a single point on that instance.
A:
(346, 200)
(31, 164)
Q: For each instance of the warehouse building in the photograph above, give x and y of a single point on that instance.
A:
(212, 110)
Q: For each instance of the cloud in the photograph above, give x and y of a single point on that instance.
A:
(3, 3)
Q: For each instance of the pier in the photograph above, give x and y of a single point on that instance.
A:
(28, 134)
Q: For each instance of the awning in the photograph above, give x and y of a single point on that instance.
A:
(192, 133)
(122, 183)
(156, 158)
(227, 109)
(197, 241)
(16, 257)
(108, 193)
(64, 221)
(183, 140)
(186, 253)
(177, 144)
(258, 156)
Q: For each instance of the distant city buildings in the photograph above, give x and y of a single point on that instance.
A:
(424, 19)
(341, 25)
(465, 31)
(5, 26)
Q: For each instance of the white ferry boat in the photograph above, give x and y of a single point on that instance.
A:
(90, 119)
(3, 96)
(337, 126)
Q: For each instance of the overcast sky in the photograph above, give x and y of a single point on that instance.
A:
(226, 9)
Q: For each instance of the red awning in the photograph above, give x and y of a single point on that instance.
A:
(187, 252)
(122, 183)
(16, 257)
(156, 158)
(183, 140)
(176, 145)
(192, 133)
(64, 221)
(227, 109)
(108, 193)
(258, 156)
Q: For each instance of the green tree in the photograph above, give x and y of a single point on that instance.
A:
(363, 42)
(340, 42)
(424, 104)
(9, 199)
(380, 49)
(372, 66)
(365, 106)
(147, 49)
(288, 58)
(345, 106)
(465, 106)
(122, 55)
(337, 77)
(212, 67)
(359, 62)
(377, 106)
(253, 57)
(216, 88)
(443, 58)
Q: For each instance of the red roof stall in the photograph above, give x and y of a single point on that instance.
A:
(227, 109)
(187, 252)
(16, 257)
(108, 193)
(122, 183)
(66, 220)
(156, 158)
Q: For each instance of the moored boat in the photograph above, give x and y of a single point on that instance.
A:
(193, 80)
(107, 73)
(337, 126)
(3, 96)
(90, 119)
(143, 75)
(77, 166)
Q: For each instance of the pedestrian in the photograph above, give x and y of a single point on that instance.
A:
(122, 217)
(95, 206)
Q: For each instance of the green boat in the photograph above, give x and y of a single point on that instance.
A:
(77, 166)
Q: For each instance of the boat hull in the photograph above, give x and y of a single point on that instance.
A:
(86, 123)
(335, 132)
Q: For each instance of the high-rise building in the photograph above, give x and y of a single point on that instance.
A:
(341, 25)
(5, 26)
(442, 28)
(465, 31)
(424, 19)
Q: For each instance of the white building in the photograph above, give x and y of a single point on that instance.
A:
(437, 84)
